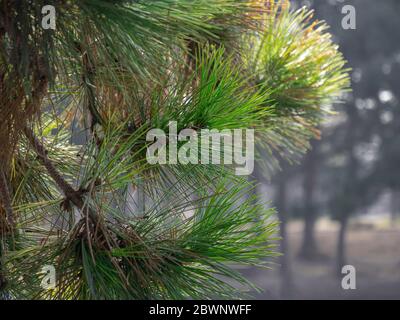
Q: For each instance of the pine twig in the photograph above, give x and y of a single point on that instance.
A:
(63, 185)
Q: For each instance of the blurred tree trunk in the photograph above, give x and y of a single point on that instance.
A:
(341, 246)
(346, 203)
(394, 206)
(309, 249)
(286, 272)
(256, 178)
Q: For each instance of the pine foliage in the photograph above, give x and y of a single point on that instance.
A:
(111, 71)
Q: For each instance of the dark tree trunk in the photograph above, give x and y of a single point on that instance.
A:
(341, 246)
(394, 206)
(345, 204)
(309, 249)
(285, 269)
(254, 193)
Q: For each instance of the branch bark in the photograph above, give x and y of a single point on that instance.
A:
(74, 196)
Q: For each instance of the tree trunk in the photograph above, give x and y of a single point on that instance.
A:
(341, 246)
(255, 179)
(345, 205)
(286, 272)
(394, 206)
(309, 249)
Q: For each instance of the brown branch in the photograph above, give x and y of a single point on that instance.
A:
(6, 199)
(74, 196)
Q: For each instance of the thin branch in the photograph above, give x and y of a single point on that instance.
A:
(64, 186)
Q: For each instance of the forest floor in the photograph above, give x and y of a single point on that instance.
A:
(373, 248)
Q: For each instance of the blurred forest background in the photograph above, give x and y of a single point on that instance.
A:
(341, 204)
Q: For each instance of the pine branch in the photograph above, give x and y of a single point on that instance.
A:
(74, 196)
